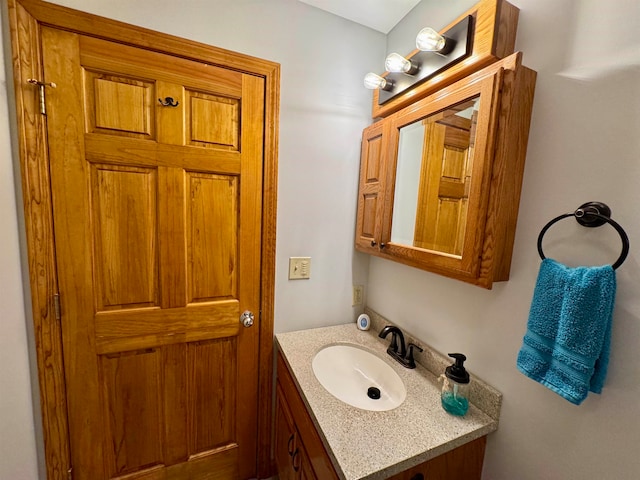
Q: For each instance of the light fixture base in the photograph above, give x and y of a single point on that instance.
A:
(458, 46)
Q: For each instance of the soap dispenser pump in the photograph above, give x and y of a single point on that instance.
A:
(455, 389)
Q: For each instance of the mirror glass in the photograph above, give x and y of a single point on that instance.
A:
(433, 179)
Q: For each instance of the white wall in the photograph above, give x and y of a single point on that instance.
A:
(584, 145)
(324, 108)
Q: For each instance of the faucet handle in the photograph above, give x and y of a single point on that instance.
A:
(409, 358)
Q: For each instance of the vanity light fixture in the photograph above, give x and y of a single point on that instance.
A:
(436, 52)
(398, 64)
(373, 81)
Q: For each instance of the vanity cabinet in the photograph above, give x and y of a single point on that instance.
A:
(300, 453)
(440, 179)
(291, 456)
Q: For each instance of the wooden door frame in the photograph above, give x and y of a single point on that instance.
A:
(25, 19)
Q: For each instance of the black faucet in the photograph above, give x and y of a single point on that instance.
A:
(402, 356)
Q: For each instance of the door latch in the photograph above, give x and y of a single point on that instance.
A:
(247, 318)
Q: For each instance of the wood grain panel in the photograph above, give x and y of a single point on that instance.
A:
(454, 161)
(38, 224)
(171, 227)
(143, 63)
(133, 409)
(212, 226)
(211, 386)
(250, 265)
(150, 327)
(370, 206)
(217, 464)
(129, 151)
(121, 106)
(171, 119)
(462, 463)
(213, 121)
(511, 151)
(118, 105)
(174, 379)
(125, 236)
(73, 242)
(374, 158)
(370, 209)
(447, 221)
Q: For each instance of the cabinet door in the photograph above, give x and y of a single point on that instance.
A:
(285, 438)
(371, 188)
(306, 472)
(307, 437)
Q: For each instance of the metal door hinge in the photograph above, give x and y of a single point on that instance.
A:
(41, 85)
(56, 309)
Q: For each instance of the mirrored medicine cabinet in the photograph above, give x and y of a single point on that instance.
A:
(440, 179)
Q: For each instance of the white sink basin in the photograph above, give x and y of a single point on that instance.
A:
(347, 372)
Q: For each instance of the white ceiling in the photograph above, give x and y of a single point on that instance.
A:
(381, 15)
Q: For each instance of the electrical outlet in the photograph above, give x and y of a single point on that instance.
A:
(358, 295)
(299, 268)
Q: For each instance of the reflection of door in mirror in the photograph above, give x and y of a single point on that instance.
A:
(435, 159)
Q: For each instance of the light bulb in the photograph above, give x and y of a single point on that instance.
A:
(428, 40)
(397, 63)
(373, 81)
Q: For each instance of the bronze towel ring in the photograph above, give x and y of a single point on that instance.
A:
(591, 214)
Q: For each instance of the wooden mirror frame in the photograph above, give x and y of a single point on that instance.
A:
(497, 184)
(487, 89)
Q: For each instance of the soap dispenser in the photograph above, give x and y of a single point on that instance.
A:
(455, 389)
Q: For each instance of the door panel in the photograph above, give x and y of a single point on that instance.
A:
(213, 120)
(119, 105)
(125, 240)
(212, 227)
(132, 410)
(157, 215)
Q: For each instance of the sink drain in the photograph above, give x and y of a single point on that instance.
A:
(373, 393)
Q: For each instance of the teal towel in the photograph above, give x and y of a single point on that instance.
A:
(566, 347)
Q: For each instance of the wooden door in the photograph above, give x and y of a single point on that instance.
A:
(157, 212)
(445, 181)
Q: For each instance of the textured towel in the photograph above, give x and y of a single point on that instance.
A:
(566, 347)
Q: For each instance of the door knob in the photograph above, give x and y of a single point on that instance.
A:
(246, 318)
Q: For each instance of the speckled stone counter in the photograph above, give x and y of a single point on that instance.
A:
(375, 445)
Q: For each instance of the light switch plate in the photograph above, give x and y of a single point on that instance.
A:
(299, 268)
(358, 295)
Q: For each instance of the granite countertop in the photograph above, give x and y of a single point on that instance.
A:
(364, 444)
